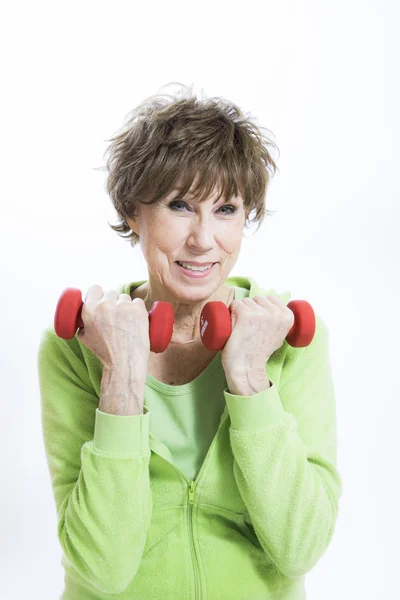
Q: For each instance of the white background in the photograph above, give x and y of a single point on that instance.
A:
(323, 77)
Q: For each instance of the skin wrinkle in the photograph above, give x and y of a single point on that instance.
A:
(194, 231)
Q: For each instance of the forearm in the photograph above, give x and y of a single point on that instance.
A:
(248, 385)
(121, 394)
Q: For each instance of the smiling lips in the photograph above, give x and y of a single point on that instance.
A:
(194, 264)
(196, 272)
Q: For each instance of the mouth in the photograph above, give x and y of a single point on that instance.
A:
(195, 273)
(194, 264)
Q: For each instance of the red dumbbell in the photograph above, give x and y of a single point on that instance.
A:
(68, 318)
(215, 322)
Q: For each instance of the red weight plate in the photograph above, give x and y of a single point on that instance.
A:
(67, 316)
(215, 325)
(161, 322)
(303, 330)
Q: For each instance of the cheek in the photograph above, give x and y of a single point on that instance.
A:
(167, 235)
(233, 238)
(161, 233)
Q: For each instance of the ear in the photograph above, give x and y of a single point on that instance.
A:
(133, 224)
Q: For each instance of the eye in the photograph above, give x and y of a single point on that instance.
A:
(173, 204)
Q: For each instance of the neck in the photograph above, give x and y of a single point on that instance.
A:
(186, 316)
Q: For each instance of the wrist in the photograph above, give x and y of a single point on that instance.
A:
(119, 395)
(248, 386)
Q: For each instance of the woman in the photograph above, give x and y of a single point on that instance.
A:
(189, 473)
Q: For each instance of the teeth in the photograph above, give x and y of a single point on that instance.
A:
(192, 268)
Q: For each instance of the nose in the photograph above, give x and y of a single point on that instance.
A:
(201, 235)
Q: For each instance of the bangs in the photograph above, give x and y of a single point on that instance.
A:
(185, 147)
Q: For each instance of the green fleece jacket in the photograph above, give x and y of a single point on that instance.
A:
(206, 495)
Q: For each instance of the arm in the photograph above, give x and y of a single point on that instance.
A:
(98, 464)
(284, 445)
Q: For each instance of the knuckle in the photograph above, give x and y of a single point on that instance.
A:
(123, 298)
(138, 302)
(93, 290)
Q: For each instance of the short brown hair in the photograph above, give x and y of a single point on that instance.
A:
(168, 141)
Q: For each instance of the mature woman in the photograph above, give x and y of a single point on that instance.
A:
(189, 474)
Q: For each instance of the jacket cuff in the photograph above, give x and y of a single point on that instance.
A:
(120, 434)
(250, 413)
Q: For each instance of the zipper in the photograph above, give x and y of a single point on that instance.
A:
(192, 489)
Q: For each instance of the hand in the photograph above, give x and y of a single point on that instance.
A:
(259, 328)
(116, 330)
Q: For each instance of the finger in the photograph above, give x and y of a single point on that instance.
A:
(124, 298)
(244, 302)
(110, 295)
(258, 302)
(94, 293)
(235, 304)
(280, 304)
(276, 300)
(261, 300)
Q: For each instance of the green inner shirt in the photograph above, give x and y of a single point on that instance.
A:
(186, 417)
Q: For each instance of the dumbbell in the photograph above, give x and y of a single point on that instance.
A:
(215, 322)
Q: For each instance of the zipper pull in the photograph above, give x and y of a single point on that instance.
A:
(192, 487)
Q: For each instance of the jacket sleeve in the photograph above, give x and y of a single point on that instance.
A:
(98, 465)
(284, 447)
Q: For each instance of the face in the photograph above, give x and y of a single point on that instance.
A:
(182, 229)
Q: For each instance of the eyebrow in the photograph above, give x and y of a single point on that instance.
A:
(188, 199)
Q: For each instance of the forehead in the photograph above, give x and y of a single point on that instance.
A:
(190, 195)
